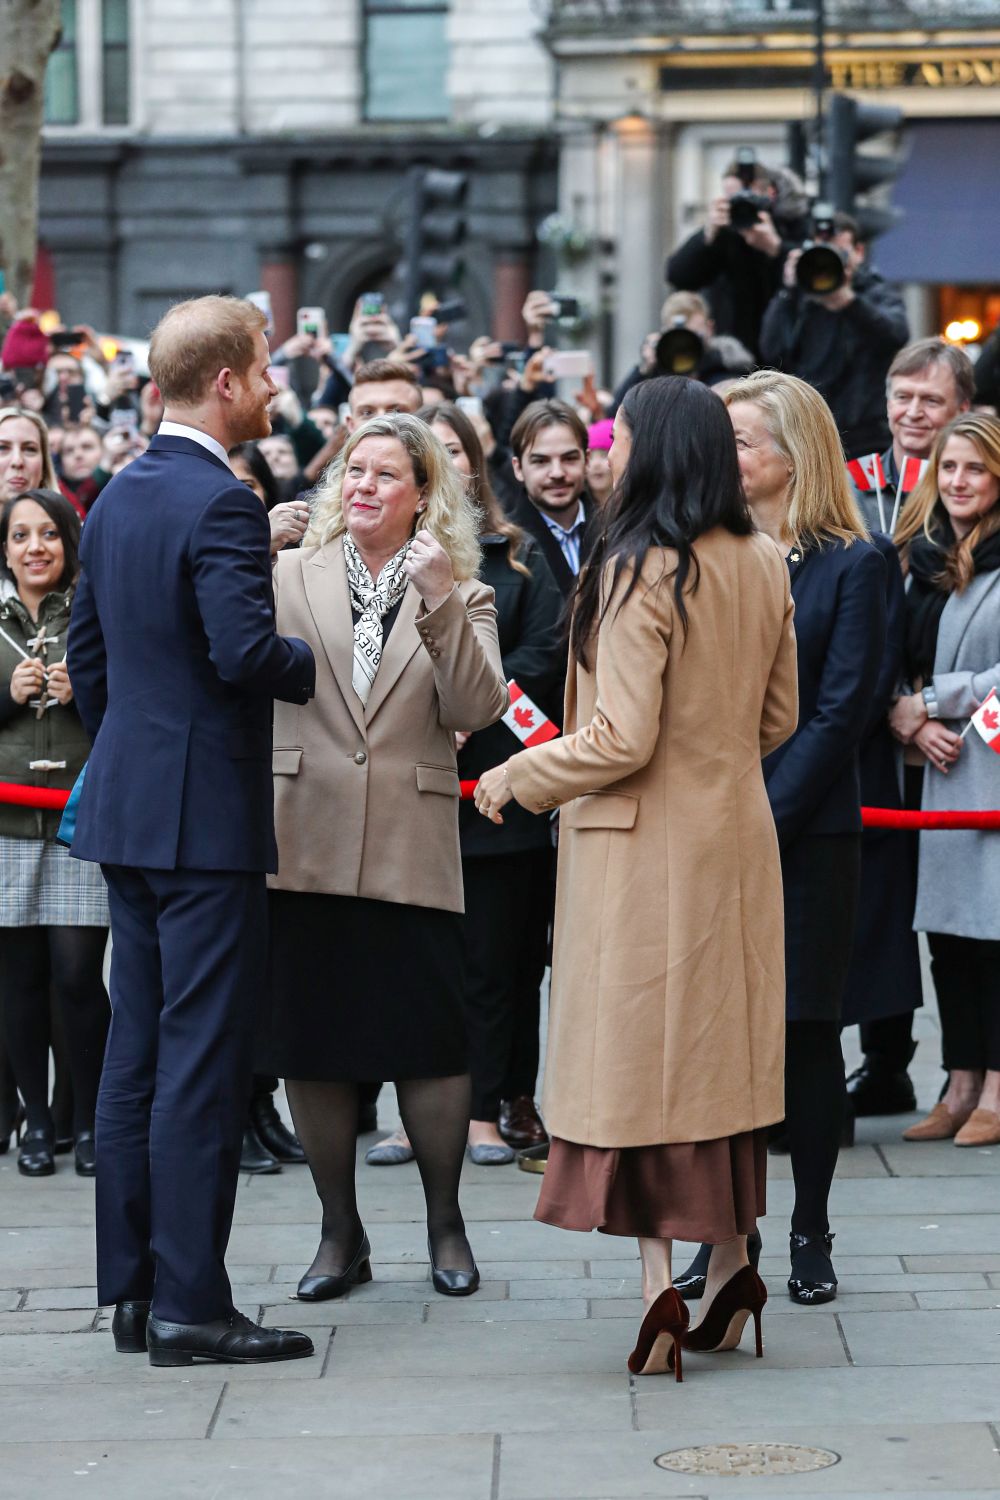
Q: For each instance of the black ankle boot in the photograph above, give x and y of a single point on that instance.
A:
(691, 1284)
(813, 1279)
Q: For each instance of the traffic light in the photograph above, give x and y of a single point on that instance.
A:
(434, 234)
(859, 182)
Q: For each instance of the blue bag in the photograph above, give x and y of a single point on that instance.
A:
(67, 825)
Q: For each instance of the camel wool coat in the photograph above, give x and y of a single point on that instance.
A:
(666, 1019)
(366, 795)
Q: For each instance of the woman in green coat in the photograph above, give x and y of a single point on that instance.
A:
(53, 910)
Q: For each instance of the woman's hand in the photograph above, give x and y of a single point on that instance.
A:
(906, 716)
(60, 687)
(429, 566)
(940, 745)
(493, 792)
(462, 738)
(289, 523)
(27, 680)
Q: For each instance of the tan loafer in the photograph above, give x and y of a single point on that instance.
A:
(981, 1129)
(940, 1125)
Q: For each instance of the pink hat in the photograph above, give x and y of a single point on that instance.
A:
(24, 345)
(599, 434)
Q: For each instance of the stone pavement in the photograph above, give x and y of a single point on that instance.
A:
(521, 1392)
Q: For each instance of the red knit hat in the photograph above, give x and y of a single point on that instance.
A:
(24, 345)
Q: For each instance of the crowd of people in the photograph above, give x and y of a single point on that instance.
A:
(756, 588)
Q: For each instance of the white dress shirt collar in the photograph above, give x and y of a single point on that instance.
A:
(194, 435)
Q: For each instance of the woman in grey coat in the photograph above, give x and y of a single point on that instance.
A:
(950, 533)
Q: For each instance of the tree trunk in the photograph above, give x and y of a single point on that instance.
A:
(29, 30)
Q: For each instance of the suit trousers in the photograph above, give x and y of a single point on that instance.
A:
(967, 980)
(187, 970)
(508, 904)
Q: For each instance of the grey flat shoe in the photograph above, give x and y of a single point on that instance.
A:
(490, 1156)
(392, 1152)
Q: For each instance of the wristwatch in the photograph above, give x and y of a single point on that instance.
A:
(930, 701)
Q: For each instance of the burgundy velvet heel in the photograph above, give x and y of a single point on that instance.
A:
(742, 1297)
(658, 1347)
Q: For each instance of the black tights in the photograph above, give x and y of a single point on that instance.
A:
(69, 959)
(814, 1117)
(435, 1113)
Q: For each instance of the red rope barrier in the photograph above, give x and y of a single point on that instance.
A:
(45, 798)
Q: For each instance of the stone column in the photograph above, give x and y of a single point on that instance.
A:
(511, 284)
(279, 275)
(640, 165)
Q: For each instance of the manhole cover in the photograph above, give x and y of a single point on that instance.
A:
(747, 1459)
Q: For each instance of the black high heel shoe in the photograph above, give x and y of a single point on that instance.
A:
(692, 1284)
(85, 1153)
(453, 1283)
(813, 1279)
(324, 1288)
(36, 1157)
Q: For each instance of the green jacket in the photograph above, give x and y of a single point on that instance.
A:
(24, 737)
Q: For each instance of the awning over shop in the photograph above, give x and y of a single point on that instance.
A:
(948, 192)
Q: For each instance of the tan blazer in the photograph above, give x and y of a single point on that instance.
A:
(366, 796)
(668, 996)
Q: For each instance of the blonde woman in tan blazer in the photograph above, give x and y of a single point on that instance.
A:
(367, 958)
(667, 1010)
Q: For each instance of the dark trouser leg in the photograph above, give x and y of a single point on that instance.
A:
(968, 995)
(530, 960)
(435, 1114)
(24, 987)
(492, 930)
(814, 1115)
(77, 958)
(889, 1041)
(8, 1087)
(325, 1116)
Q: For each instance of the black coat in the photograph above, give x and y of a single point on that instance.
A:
(884, 976)
(844, 355)
(737, 280)
(840, 628)
(533, 651)
(529, 518)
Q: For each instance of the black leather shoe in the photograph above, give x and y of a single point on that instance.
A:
(875, 1089)
(324, 1288)
(36, 1156)
(813, 1279)
(272, 1132)
(227, 1341)
(691, 1284)
(85, 1152)
(453, 1283)
(129, 1327)
(520, 1124)
(253, 1156)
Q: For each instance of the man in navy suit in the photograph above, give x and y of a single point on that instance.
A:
(175, 660)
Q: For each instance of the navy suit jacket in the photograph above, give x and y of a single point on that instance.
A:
(840, 628)
(174, 660)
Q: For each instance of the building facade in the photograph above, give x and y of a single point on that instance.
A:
(199, 145)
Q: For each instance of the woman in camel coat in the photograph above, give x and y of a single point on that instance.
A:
(667, 1010)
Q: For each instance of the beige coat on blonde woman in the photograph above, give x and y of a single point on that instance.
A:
(668, 991)
(366, 795)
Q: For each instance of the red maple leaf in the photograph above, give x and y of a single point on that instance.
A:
(990, 718)
(525, 717)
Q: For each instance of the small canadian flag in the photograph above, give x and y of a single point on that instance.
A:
(911, 473)
(867, 473)
(986, 720)
(526, 719)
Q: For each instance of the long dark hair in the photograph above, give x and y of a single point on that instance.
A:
(250, 454)
(681, 480)
(63, 517)
(480, 491)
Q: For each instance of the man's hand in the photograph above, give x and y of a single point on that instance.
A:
(60, 687)
(536, 312)
(289, 523)
(534, 371)
(763, 236)
(429, 566)
(408, 352)
(941, 745)
(791, 265)
(718, 217)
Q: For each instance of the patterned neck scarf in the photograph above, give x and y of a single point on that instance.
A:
(373, 602)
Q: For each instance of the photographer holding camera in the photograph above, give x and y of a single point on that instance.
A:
(737, 258)
(687, 344)
(836, 323)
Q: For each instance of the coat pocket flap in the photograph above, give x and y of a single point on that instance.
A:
(438, 779)
(601, 810)
(286, 762)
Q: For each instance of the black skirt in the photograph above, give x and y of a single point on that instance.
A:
(821, 875)
(362, 990)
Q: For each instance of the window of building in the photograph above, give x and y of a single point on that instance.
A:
(406, 60)
(87, 78)
(62, 76)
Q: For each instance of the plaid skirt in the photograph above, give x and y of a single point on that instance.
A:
(41, 886)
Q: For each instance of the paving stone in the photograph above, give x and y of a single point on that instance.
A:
(594, 1286)
(10, 1301)
(621, 1464)
(90, 1359)
(62, 1297)
(385, 1270)
(949, 1263)
(906, 1338)
(778, 1305)
(934, 1300)
(87, 1411)
(317, 1315)
(333, 1468)
(24, 1250)
(918, 1159)
(33, 1321)
(377, 1403)
(471, 1310)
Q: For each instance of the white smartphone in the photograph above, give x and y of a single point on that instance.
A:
(312, 321)
(471, 405)
(424, 331)
(568, 364)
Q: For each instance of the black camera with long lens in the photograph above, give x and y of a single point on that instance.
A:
(746, 206)
(822, 265)
(679, 351)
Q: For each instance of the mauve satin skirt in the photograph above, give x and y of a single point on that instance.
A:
(694, 1190)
